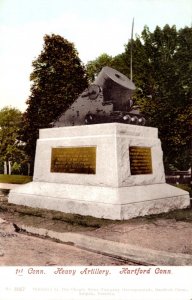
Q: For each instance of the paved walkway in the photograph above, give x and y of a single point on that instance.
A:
(122, 247)
(24, 250)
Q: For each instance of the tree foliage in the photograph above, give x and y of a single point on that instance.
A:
(58, 77)
(169, 107)
(93, 67)
(11, 148)
(162, 72)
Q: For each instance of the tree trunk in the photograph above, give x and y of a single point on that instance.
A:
(28, 169)
(9, 163)
(5, 168)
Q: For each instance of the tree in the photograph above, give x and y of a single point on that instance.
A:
(11, 148)
(162, 74)
(169, 54)
(162, 68)
(58, 77)
(183, 58)
(93, 67)
(117, 62)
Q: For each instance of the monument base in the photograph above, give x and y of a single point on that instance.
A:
(112, 171)
(101, 202)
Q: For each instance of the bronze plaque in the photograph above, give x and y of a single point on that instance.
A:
(80, 160)
(140, 160)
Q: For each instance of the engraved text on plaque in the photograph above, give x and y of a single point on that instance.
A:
(80, 160)
(140, 160)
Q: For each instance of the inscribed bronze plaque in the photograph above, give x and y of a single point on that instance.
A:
(80, 160)
(140, 160)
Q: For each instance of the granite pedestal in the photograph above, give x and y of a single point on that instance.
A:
(121, 175)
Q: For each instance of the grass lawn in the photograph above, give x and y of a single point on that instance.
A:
(17, 179)
(185, 187)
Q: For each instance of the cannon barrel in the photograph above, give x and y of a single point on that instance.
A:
(117, 88)
(107, 100)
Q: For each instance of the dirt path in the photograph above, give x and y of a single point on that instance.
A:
(18, 249)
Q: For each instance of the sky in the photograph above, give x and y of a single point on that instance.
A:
(94, 26)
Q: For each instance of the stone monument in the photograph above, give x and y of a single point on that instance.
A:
(99, 161)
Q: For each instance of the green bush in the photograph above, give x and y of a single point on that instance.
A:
(16, 168)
